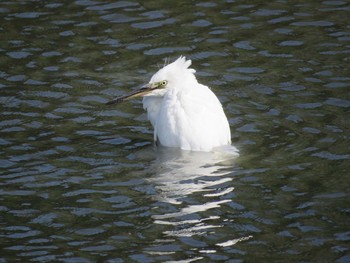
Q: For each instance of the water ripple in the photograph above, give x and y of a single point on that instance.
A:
(83, 182)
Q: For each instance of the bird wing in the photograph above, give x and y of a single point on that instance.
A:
(207, 121)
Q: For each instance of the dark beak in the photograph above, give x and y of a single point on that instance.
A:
(136, 93)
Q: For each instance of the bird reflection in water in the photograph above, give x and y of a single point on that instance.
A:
(193, 192)
(178, 173)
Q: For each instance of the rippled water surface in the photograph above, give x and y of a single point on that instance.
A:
(83, 182)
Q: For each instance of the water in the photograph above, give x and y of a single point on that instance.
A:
(83, 182)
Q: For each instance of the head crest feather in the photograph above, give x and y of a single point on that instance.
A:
(181, 62)
(175, 71)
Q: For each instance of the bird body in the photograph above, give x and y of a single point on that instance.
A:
(183, 112)
(188, 115)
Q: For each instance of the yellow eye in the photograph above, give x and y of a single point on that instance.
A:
(163, 83)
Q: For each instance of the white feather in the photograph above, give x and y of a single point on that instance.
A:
(186, 114)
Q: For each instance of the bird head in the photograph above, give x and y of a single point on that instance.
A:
(175, 74)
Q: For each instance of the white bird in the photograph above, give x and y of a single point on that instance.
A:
(183, 112)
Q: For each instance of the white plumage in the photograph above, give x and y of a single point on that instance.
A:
(184, 113)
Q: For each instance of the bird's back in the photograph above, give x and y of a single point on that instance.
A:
(192, 119)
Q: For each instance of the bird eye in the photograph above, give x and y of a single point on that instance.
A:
(163, 83)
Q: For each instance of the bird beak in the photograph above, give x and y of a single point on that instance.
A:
(133, 94)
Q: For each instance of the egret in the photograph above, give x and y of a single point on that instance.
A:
(184, 113)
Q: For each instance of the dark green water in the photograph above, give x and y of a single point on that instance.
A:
(83, 182)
